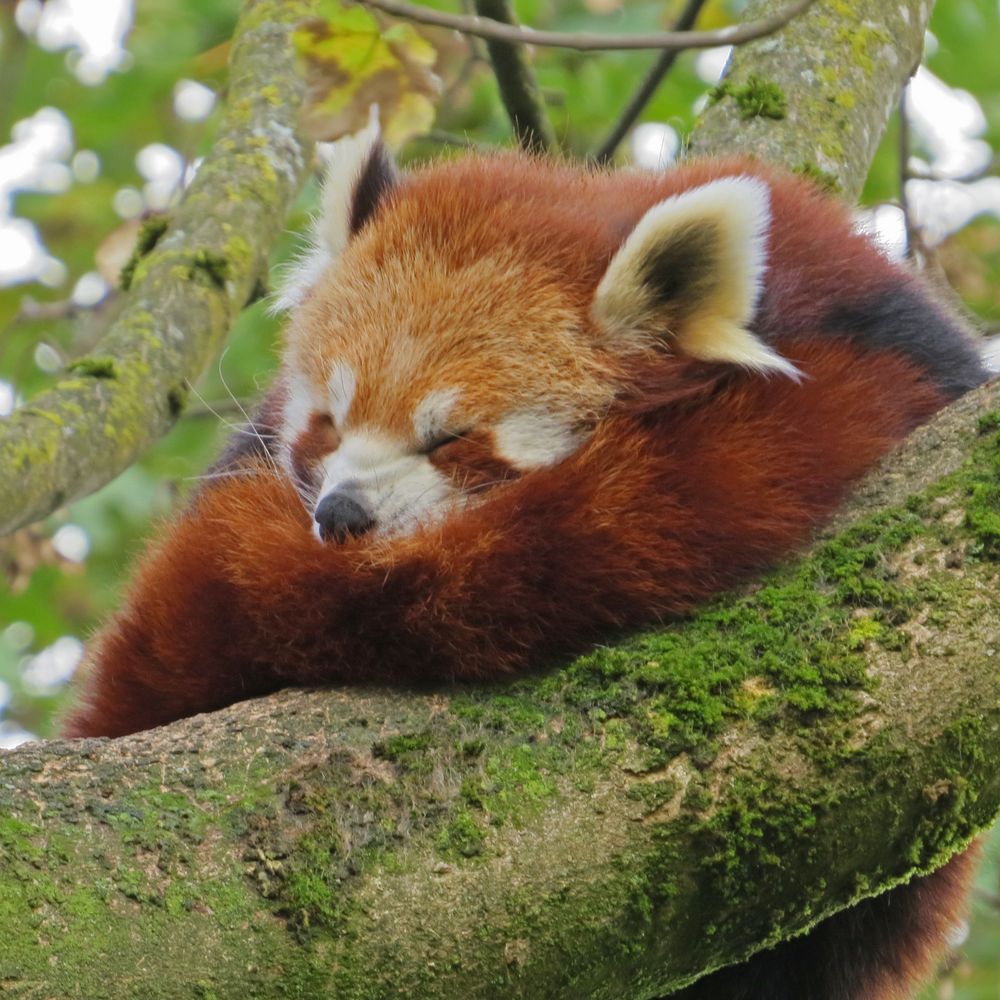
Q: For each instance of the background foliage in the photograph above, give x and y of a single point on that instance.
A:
(61, 577)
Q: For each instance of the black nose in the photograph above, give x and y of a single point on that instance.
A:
(340, 513)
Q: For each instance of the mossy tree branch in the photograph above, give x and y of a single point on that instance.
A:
(608, 829)
(184, 296)
(611, 828)
(816, 97)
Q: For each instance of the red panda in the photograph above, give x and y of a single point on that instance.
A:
(523, 406)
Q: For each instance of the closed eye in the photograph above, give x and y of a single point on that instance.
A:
(442, 441)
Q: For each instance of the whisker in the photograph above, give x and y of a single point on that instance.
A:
(249, 419)
(234, 473)
(486, 486)
(215, 413)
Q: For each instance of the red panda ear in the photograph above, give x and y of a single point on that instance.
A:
(691, 273)
(358, 172)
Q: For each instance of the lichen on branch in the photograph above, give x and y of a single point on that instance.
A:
(184, 292)
(835, 72)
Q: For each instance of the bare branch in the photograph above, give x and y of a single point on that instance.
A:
(648, 87)
(484, 27)
(518, 86)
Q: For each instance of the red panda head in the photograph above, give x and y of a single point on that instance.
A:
(473, 321)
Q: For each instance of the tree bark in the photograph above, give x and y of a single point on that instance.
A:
(612, 828)
(184, 295)
(832, 77)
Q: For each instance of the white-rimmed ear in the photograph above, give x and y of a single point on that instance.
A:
(691, 272)
(357, 172)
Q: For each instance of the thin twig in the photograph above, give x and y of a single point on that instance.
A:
(483, 27)
(912, 236)
(518, 86)
(648, 87)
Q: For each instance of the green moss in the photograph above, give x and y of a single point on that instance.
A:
(214, 266)
(37, 411)
(514, 712)
(149, 235)
(756, 98)
(823, 179)
(832, 148)
(989, 422)
(461, 837)
(269, 12)
(272, 95)
(401, 748)
(864, 40)
(653, 795)
(239, 253)
(982, 504)
(95, 367)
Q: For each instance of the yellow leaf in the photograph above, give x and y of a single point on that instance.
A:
(351, 64)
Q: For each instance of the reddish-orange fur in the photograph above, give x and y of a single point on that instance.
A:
(696, 476)
(659, 510)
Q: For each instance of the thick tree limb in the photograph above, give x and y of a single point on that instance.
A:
(838, 71)
(185, 295)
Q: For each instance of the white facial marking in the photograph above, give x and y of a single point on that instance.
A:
(295, 415)
(431, 414)
(298, 406)
(342, 384)
(531, 439)
(401, 489)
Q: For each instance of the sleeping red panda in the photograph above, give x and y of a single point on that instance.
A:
(524, 405)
